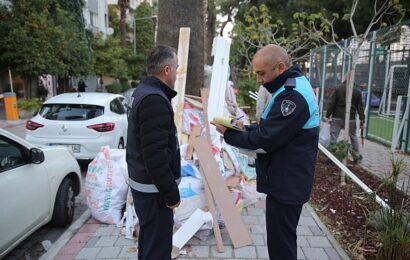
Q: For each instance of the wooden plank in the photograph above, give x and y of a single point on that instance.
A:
(195, 131)
(178, 101)
(233, 221)
(219, 79)
(211, 205)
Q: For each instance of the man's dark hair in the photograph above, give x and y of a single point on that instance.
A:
(158, 57)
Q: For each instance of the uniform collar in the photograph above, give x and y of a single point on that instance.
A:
(275, 84)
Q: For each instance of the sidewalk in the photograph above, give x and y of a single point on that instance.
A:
(88, 239)
(98, 241)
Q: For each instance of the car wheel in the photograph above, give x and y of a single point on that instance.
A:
(64, 205)
(121, 144)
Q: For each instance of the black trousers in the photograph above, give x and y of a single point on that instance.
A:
(156, 222)
(281, 223)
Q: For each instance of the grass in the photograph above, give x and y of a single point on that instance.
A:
(381, 129)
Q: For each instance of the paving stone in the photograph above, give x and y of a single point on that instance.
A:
(318, 241)
(256, 212)
(262, 220)
(303, 231)
(88, 253)
(247, 252)
(257, 239)
(302, 241)
(250, 219)
(316, 230)
(314, 253)
(116, 231)
(307, 221)
(332, 253)
(109, 252)
(262, 252)
(92, 242)
(305, 212)
(106, 241)
(122, 241)
(300, 254)
(104, 231)
(128, 252)
(227, 252)
(199, 251)
(226, 239)
(210, 241)
(258, 229)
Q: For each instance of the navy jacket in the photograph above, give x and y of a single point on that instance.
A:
(152, 151)
(288, 132)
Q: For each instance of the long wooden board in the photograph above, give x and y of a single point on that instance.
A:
(236, 228)
(178, 101)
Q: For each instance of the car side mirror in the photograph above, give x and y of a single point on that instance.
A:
(36, 156)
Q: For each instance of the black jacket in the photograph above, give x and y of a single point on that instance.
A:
(337, 104)
(288, 132)
(152, 150)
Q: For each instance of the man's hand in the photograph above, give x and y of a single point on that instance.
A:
(361, 124)
(220, 128)
(328, 120)
(174, 206)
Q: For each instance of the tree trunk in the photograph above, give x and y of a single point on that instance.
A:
(210, 30)
(173, 14)
(124, 5)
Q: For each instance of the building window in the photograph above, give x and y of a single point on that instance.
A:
(93, 19)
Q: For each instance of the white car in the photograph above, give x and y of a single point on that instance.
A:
(83, 122)
(37, 184)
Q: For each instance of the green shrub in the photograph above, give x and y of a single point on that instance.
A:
(115, 88)
(29, 104)
(125, 86)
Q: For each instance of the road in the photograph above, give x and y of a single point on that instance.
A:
(31, 247)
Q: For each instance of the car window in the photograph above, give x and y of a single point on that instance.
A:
(11, 154)
(71, 112)
(117, 107)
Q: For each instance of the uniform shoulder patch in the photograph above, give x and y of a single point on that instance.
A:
(287, 107)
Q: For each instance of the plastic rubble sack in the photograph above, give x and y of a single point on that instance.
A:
(189, 187)
(190, 117)
(129, 217)
(106, 185)
(249, 193)
(324, 135)
(249, 172)
(187, 207)
(188, 168)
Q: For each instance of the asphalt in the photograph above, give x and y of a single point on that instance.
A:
(89, 239)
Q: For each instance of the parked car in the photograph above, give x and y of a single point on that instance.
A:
(37, 184)
(83, 122)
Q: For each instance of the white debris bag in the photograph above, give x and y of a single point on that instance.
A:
(324, 135)
(105, 185)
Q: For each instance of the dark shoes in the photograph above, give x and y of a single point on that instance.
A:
(357, 159)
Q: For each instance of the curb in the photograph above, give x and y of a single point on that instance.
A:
(329, 235)
(66, 236)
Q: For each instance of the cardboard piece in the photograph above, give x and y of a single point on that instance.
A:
(233, 221)
(195, 131)
(211, 205)
(178, 101)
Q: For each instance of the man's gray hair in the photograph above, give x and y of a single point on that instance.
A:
(159, 56)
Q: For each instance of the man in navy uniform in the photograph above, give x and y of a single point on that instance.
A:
(288, 132)
(152, 153)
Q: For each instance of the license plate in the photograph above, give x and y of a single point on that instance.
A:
(75, 148)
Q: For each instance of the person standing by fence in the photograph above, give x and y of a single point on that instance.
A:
(335, 115)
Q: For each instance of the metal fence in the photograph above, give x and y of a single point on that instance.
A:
(382, 74)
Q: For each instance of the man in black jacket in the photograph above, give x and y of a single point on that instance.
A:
(288, 132)
(337, 111)
(153, 156)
